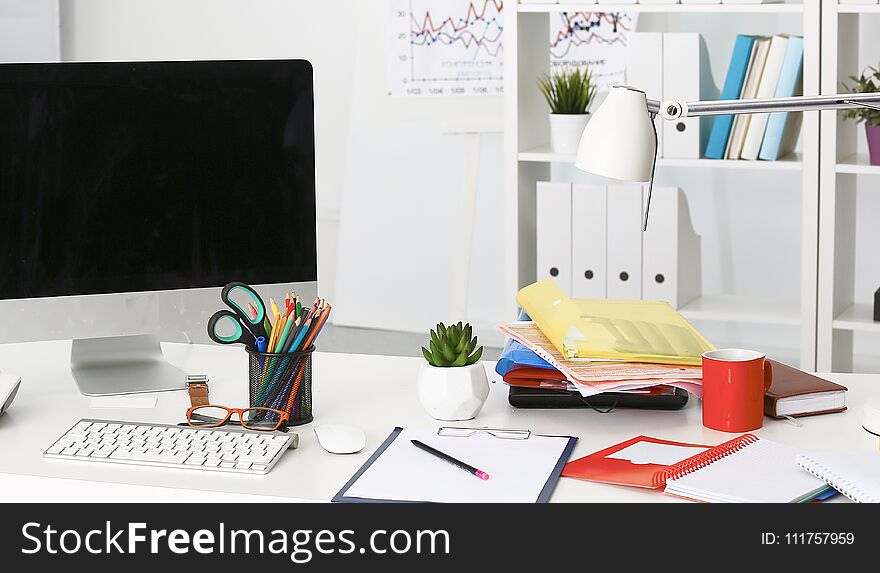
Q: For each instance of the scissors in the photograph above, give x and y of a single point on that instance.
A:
(246, 329)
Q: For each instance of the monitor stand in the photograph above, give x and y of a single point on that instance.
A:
(123, 365)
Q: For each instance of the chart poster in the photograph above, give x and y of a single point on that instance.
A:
(446, 48)
(594, 39)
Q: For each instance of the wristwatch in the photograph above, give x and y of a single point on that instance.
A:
(197, 386)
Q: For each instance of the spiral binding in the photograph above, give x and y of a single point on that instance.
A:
(835, 480)
(702, 460)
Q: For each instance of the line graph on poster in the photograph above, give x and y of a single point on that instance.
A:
(594, 39)
(446, 48)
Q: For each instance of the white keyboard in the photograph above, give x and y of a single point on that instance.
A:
(224, 449)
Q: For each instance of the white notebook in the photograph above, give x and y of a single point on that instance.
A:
(856, 475)
(746, 470)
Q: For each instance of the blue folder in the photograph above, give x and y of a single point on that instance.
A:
(516, 354)
(733, 84)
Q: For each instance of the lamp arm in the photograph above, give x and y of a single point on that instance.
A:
(673, 110)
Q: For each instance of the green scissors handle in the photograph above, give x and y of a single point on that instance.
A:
(240, 334)
(253, 324)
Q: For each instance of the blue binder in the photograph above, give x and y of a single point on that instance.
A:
(789, 79)
(733, 84)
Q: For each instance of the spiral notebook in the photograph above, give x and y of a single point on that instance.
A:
(855, 475)
(744, 469)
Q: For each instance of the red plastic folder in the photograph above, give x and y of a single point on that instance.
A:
(605, 466)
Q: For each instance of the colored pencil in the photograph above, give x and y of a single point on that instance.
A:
(282, 338)
(275, 312)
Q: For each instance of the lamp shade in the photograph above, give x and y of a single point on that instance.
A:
(619, 142)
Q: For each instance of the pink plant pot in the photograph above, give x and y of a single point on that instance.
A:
(873, 133)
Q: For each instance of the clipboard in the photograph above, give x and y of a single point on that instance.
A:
(398, 472)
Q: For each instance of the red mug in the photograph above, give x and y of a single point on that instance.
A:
(734, 384)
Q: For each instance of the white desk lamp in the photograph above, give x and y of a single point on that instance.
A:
(620, 141)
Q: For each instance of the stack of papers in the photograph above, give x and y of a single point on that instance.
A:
(597, 346)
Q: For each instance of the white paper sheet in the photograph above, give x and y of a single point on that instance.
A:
(651, 453)
(518, 469)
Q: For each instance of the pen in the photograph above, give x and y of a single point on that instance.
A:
(447, 458)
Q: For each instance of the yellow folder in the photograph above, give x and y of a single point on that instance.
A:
(631, 330)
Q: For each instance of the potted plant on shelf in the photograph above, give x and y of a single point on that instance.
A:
(453, 384)
(866, 83)
(569, 93)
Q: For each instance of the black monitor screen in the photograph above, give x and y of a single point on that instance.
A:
(126, 177)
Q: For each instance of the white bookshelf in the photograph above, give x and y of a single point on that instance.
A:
(729, 308)
(856, 164)
(793, 162)
(857, 316)
(528, 159)
(845, 309)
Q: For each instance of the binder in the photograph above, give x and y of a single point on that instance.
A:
(733, 85)
(588, 233)
(681, 82)
(671, 266)
(782, 130)
(644, 70)
(624, 236)
(750, 89)
(553, 226)
(769, 80)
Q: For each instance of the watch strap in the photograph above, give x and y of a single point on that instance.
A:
(197, 386)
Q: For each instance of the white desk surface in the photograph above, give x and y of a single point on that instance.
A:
(375, 393)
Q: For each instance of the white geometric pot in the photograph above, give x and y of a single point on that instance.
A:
(453, 393)
(566, 131)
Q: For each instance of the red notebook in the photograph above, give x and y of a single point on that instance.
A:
(606, 467)
(744, 469)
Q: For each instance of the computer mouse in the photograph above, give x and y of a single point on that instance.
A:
(338, 439)
(9, 384)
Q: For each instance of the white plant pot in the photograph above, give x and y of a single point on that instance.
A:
(453, 394)
(566, 130)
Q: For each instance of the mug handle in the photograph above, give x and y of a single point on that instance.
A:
(768, 375)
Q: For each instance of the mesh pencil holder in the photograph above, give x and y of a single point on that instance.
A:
(282, 381)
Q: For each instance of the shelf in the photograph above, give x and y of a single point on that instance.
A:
(666, 8)
(858, 164)
(858, 316)
(793, 162)
(858, 9)
(727, 308)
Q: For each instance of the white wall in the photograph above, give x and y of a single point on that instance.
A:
(29, 31)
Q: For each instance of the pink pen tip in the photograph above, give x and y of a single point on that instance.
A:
(482, 475)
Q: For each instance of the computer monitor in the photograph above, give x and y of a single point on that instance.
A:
(131, 191)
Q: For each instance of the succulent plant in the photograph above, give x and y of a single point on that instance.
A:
(452, 346)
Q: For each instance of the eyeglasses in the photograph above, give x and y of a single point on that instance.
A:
(502, 433)
(211, 416)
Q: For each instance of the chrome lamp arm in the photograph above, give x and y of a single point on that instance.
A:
(673, 109)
